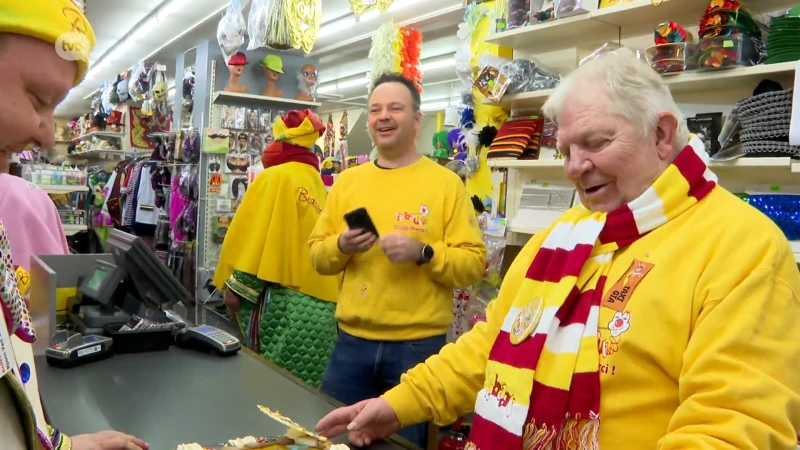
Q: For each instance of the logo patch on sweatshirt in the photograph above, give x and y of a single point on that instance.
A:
(620, 294)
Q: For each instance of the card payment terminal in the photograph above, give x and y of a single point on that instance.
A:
(208, 338)
(70, 349)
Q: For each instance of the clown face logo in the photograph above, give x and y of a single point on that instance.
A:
(619, 324)
(423, 211)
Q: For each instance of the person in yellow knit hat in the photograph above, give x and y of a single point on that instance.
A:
(661, 313)
(283, 306)
(44, 52)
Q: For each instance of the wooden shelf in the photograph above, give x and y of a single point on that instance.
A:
(604, 24)
(57, 189)
(575, 31)
(100, 134)
(222, 96)
(685, 83)
(643, 12)
(524, 230)
(527, 164)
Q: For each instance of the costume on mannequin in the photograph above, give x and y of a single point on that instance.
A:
(307, 83)
(236, 67)
(273, 68)
(284, 304)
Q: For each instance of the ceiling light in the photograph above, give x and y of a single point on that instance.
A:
(336, 26)
(171, 8)
(324, 89)
(369, 15)
(357, 82)
(450, 62)
(434, 106)
(400, 5)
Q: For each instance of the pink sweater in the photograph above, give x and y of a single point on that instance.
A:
(31, 221)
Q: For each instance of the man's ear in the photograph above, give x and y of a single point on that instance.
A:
(666, 132)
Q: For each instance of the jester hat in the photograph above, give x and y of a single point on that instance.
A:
(58, 22)
(295, 130)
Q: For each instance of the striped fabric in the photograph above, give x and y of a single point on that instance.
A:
(543, 392)
(512, 138)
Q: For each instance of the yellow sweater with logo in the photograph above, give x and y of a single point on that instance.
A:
(705, 354)
(381, 300)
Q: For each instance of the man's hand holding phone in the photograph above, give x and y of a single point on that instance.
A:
(356, 241)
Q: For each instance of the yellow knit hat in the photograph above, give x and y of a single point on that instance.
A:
(58, 22)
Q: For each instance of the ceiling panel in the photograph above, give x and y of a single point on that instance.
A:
(111, 20)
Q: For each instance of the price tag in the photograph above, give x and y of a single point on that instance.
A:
(727, 44)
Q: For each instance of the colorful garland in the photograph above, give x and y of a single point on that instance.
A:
(412, 47)
(330, 137)
(343, 127)
(396, 50)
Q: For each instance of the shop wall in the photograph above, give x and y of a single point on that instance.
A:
(353, 117)
(253, 76)
(360, 143)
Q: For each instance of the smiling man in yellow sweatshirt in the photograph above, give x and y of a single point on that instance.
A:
(396, 301)
(660, 314)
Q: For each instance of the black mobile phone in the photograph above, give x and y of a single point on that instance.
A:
(359, 219)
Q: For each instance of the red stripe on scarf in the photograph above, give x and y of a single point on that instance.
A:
(504, 352)
(554, 264)
(620, 226)
(693, 168)
(547, 402)
(492, 435)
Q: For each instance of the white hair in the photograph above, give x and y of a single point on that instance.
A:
(635, 90)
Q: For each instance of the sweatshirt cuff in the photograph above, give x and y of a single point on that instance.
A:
(402, 400)
(331, 246)
(436, 265)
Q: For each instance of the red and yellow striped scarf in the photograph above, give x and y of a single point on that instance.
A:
(542, 386)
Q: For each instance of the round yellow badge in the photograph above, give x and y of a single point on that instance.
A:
(526, 321)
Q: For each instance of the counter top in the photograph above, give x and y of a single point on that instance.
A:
(180, 396)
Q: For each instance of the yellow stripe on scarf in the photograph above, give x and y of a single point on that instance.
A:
(518, 383)
(671, 203)
(556, 372)
(58, 22)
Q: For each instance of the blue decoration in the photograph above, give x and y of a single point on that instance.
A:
(25, 373)
(784, 210)
(467, 119)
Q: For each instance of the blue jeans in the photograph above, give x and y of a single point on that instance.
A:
(360, 369)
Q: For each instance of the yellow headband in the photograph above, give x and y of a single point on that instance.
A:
(58, 22)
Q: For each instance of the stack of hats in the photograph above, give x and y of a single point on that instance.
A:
(518, 138)
(783, 41)
(765, 122)
(729, 36)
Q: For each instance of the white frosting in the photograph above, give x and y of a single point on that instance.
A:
(190, 447)
(339, 447)
(241, 442)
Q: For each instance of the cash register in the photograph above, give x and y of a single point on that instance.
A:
(136, 283)
(136, 286)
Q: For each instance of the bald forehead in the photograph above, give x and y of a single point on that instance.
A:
(37, 63)
(390, 92)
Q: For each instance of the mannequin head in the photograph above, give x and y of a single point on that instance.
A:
(236, 71)
(271, 75)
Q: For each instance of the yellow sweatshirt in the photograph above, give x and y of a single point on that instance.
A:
(705, 355)
(380, 300)
(268, 237)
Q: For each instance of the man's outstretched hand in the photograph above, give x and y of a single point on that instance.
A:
(365, 421)
(107, 440)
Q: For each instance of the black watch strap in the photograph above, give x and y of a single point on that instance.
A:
(426, 255)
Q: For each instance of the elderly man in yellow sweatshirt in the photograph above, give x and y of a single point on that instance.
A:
(396, 300)
(660, 314)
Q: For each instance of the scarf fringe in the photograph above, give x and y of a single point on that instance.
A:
(575, 434)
